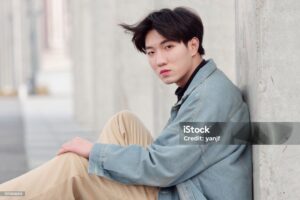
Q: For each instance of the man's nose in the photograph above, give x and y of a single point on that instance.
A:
(160, 59)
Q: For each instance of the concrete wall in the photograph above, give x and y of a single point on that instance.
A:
(267, 42)
(110, 75)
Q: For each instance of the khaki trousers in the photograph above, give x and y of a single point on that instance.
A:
(66, 177)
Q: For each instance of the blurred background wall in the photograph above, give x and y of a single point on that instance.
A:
(33, 45)
(75, 49)
(16, 43)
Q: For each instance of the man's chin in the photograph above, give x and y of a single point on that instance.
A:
(168, 82)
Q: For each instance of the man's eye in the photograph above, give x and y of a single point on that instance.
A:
(149, 53)
(169, 46)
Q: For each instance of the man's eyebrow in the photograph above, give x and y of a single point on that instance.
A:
(149, 47)
(165, 41)
(161, 43)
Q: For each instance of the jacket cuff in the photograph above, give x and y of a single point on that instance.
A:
(97, 158)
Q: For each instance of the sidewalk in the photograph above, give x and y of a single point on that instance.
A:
(13, 160)
(32, 131)
(48, 124)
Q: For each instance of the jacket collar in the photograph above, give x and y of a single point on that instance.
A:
(201, 75)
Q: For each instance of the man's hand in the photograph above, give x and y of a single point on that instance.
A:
(77, 145)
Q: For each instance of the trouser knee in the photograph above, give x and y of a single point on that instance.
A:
(125, 114)
(72, 163)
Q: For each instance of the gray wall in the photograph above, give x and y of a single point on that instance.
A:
(267, 41)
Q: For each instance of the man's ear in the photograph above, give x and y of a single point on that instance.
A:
(193, 45)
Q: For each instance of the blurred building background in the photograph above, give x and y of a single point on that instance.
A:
(66, 67)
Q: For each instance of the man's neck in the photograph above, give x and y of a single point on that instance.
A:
(198, 59)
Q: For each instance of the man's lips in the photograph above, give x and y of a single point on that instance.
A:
(164, 71)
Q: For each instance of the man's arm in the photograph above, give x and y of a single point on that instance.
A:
(164, 163)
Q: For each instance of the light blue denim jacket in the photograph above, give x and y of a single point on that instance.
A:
(187, 172)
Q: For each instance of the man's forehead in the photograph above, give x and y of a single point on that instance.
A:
(154, 38)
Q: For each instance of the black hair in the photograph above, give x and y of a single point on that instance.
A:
(179, 24)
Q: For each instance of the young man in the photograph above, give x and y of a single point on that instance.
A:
(126, 164)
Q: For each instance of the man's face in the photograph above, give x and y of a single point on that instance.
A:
(172, 61)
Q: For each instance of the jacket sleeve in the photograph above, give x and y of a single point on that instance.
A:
(165, 162)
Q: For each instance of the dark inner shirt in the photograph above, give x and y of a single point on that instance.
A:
(180, 90)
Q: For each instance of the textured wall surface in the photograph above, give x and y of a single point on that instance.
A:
(268, 72)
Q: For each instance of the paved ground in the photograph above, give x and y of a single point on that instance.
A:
(13, 160)
(32, 131)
